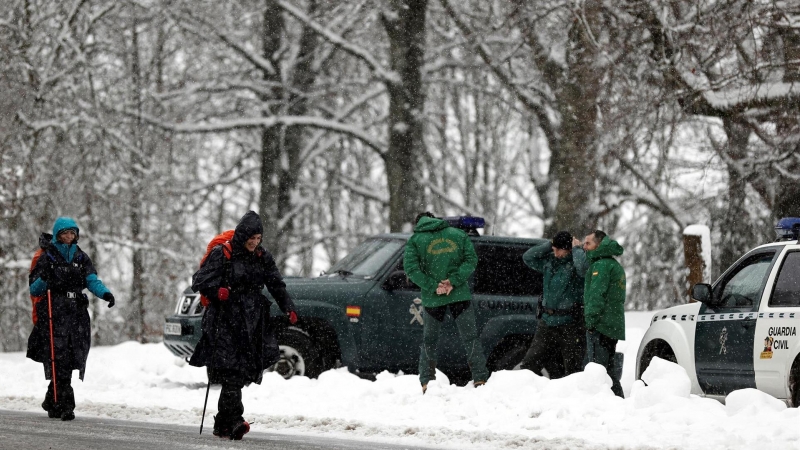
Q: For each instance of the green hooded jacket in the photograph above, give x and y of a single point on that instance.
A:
(438, 252)
(604, 291)
(562, 280)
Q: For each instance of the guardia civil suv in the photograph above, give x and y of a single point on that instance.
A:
(365, 315)
(743, 331)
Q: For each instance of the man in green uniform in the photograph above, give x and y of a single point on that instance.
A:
(440, 259)
(559, 344)
(604, 300)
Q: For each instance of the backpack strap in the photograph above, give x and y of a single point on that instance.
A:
(227, 250)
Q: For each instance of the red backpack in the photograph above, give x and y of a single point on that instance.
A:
(223, 239)
(35, 299)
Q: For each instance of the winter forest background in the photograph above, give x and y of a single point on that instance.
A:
(158, 123)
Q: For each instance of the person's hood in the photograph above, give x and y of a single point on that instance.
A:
(430, 224)
(608, 247)
(61, 224)
(249, 225)
(64, 223)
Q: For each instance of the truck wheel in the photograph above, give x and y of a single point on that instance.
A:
(655, 348)
(299, 356)
(509, 353)
(794, 384)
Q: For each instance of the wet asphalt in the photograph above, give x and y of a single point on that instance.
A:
(27, 430)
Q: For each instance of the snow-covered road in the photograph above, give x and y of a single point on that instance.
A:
(515, 410)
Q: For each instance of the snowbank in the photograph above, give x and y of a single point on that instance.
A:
(515, 410)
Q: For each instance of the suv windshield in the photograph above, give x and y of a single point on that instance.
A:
(366, 259)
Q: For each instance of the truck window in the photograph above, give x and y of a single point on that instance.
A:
(501, 271)
(787, 286)
(742, 288)
(369, 257)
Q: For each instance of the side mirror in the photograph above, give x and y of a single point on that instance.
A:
(702, 292)
(396, 280)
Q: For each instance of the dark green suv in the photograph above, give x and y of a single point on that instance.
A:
(365, 315)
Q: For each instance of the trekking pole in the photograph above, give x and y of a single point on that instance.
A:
(203, 417)
(52, 347)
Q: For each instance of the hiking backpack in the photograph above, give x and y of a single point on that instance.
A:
(223, 239)
(35, 299)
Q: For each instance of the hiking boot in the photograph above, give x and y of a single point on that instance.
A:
(224, 433)
(239, 429)
(52, 409)
(67, 415)
(424, 388)
(221, 430)
(479, 383)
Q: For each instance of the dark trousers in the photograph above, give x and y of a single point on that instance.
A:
(229, 406)
(66, 395)
(600, 349)
(558, 349)
(464, 317)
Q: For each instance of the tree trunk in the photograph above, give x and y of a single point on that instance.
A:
(137, 330)
(573, 160)
(271, 146)
(281, 146)
(405, 25)
(736, 228)
(787, 200)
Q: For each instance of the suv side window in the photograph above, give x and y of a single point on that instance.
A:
(742, 288)
(407, 285)
(787, 285)
(501, 271)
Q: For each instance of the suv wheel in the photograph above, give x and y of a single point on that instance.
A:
(299, 356)
(794, 384)
(655, 348)
(509, 353)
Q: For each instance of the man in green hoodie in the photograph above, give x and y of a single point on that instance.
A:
(560, 336)
(604, 300)
(440, 259)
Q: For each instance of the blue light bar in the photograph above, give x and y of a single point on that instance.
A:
(466, 222)
(788, 228)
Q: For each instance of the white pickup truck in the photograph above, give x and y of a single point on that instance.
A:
(743, 330)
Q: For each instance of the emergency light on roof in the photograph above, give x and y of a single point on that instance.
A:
(470, 224)
(788, 228)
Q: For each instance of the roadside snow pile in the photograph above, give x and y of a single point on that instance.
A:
(515, 410)
(660, 382)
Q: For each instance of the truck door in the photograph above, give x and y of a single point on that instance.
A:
(400, 327)
(725, 334)
(776, 339)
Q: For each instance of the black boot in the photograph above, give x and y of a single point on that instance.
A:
(66, 398)
(49, 405)
(240, 428)
(222, 428)
(231, 409)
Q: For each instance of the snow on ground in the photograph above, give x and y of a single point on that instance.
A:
(515, 410)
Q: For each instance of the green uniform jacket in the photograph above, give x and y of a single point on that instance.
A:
(604, 291)
(562, 284)
(438, 252)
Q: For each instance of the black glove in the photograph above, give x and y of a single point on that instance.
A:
(109, 297)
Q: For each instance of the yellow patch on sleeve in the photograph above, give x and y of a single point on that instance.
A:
(595, 273)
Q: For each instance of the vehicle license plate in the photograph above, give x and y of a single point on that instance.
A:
(172, 328)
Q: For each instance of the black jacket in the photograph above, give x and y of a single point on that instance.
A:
(71, 327)
(237, 334)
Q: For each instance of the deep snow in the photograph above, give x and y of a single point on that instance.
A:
(515, 410)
